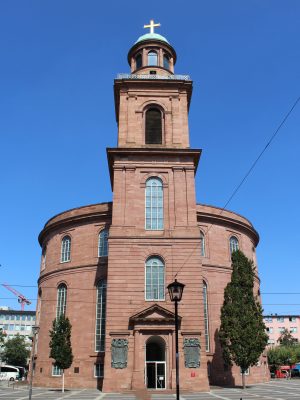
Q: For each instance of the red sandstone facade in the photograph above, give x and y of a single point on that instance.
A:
(192, 242)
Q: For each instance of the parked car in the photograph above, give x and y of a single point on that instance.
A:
(283, 371)
(295, 373)
(9, 373)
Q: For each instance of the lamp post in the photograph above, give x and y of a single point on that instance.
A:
(35, 330)
(175, 291)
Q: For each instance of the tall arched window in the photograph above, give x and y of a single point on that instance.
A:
(202, 244)
(154, 204)
(102, 243)
(152, 58)
(65, 249)
(61, 300)
(138, 61)
(155, 279)
(100, 316)
(153, 126)
(206, 325)
(234, 244)
(166, 62)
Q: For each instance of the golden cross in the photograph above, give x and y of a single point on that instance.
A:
(151, 26)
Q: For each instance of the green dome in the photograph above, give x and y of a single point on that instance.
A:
(151, 36)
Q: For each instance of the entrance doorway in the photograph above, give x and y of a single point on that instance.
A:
(155, 368)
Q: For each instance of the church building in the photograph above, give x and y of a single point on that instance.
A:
(107, 266)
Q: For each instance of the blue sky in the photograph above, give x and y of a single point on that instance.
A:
(58, 62)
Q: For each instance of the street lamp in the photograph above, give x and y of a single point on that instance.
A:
(35, 331)
(175, 291)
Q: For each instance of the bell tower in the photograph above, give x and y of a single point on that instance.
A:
(152, 102)
(154, 234)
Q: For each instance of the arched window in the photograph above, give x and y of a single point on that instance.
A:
(202, 244)
(65, 249)
(153, 126)
(166, 62)
(234, 244)
(154, 204)
(100, 316)
(61, 300)
(205, 304)
(155, 279)
(152, 58)
(138, 61)
(102, 243)
(44, 255)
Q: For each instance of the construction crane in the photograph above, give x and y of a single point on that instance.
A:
(21, 298)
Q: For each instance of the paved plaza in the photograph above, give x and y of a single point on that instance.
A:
(275, 390)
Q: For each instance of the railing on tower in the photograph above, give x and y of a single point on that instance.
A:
(154, 76)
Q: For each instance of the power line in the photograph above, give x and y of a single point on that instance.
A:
(248, 172)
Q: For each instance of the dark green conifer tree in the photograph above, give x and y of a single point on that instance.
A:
(15, 351)
(242, 332)
(60, 344)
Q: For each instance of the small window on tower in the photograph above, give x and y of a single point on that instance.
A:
(166, 62)
(138, 61)
(152, 58)
(153, 126)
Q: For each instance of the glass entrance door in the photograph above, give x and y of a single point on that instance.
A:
(160, 375)
(156, 374)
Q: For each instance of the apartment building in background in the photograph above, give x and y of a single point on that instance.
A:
(16, 322)
(276, 324)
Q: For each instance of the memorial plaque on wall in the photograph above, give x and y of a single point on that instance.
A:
(119, 351)
(191, 348)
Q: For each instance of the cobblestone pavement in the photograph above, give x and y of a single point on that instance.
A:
(275, 390)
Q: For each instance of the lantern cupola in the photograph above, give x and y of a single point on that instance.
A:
(152, 54)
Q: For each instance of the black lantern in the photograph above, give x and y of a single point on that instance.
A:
(175, 290)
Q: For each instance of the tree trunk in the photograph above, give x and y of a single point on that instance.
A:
(63, 381)
(243, 379)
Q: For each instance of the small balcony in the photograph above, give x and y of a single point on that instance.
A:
(155, 77)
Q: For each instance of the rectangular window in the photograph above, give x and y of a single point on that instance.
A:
(270, 330)
(100, 317)
(206, 317)
(271, 341)
(292, 319)
(293, 329)
(99, 370)
(281, 329)
(56, 371)
(247, 372)
(280, 319)
(268, 319)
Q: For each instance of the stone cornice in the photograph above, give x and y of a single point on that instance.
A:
(148, 153)
(86, 214)
(64, 270)
(234, 223)
(121, 84)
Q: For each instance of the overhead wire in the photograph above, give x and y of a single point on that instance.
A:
(247, 173)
